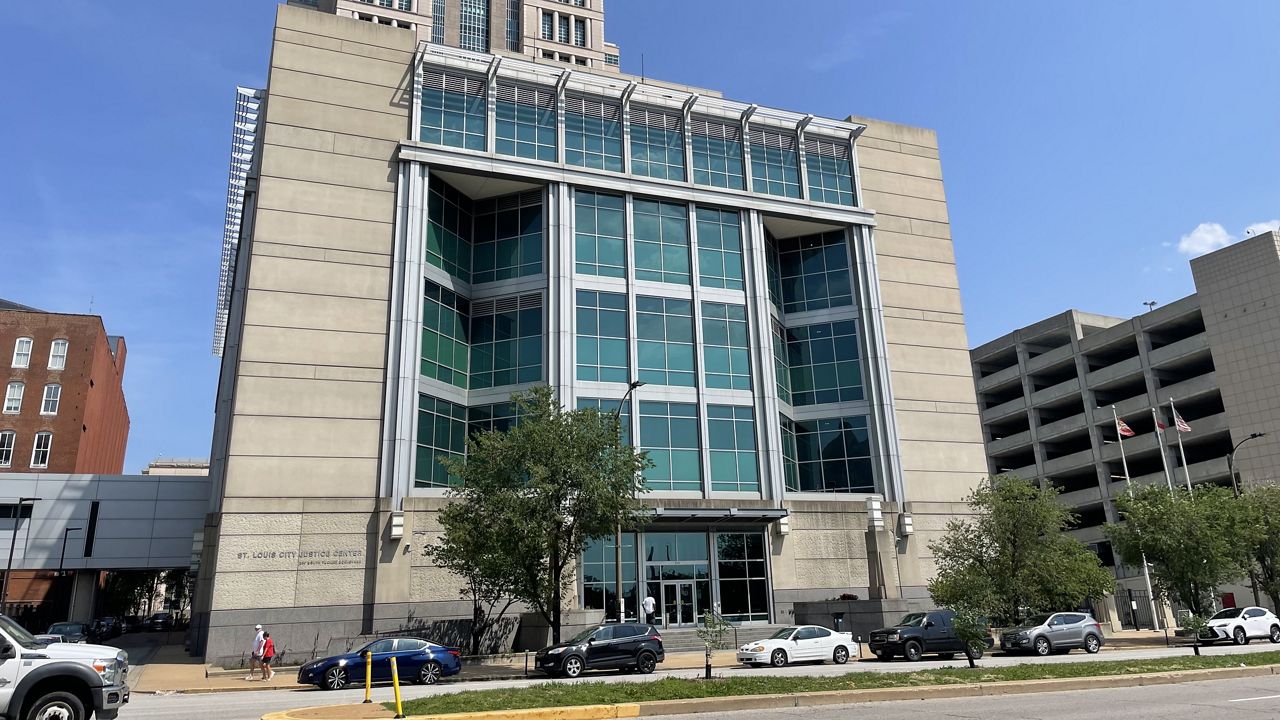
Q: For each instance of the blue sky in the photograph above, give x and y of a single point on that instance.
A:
(1082, 145)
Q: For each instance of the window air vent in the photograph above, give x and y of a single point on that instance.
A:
(525, 95)
(656, 119)
(715, 129)
(827, 147)
(772, 139)
(592, 108)
(451, 82)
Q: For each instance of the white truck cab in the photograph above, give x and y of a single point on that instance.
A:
(60, 681)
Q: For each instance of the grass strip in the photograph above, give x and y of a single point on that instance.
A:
(605, 693)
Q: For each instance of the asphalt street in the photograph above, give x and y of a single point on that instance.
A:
(250, 705)
(1239, 699)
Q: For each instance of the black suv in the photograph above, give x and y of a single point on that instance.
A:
(628, 646)
(923, 632)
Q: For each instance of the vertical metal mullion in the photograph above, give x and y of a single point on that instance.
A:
(761, 326)
(633, 353)
(699, 371)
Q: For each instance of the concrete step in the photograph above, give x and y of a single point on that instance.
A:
(676, 640)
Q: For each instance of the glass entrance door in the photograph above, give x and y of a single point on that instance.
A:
(679, 608)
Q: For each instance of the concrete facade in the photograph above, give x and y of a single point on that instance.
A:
(319, 431)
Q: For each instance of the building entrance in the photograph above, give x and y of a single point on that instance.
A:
(679, 604)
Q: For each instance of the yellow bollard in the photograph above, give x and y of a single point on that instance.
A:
(395, 684)
(368, 677)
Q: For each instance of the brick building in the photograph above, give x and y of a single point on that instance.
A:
(63, 406)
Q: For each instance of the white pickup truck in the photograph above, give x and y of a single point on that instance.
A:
(799, 643)
(59, 681)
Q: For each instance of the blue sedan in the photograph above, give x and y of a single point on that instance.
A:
(417, 661)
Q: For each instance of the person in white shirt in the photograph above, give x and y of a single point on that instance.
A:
(255, 654)
(648, 604)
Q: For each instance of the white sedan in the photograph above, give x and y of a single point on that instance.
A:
(1240, 625)
(800, 643)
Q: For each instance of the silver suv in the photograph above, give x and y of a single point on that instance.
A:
(1055, 632)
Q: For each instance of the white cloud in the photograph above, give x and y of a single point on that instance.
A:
(1208, 237)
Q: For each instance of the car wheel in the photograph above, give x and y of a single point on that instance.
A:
(840, 656)
(646, 663)
(572, 666)
(946, 656)
(975, 652)
(1275, 634)
(1043, 648)
(778, 658)
(1239, 637)
(335, 678)
(56, 706)
(912, 651)
(430, 673)
(1091, 644)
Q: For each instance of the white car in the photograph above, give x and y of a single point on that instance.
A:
(1240, 625)
(800, 643)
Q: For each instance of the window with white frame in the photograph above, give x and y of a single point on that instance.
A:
(52, 394)
(58, 355)
(40, 451)
(579, 32)
(22, 353)
(562, 27)
(548, 26)
(7, 439)
(13, 398)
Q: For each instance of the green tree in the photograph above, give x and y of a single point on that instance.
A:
(556, 480)
(971, 630)
(1262, 508)
(478, 547)
(1193, 541)
(1012, 555)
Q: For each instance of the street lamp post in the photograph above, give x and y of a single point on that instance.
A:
(1231, 461)
(617, 541)
(13, 542)
(63, 556)
(1235, 488)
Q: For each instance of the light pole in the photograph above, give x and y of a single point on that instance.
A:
(1235, 488)
(62, 557)
(1231, 461)
(8, 569)
(617, 540)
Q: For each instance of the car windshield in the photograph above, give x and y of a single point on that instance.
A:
(1228, 613)
(64, 629)
(1037, 620)
(782, 634)
(15, 631)
(583, 636)
(912, 620)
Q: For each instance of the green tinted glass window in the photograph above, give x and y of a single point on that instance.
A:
(442, 433)
(499, 417)
(664, 341)
(602, 336)
(669, 433)
(814, 272)
(661, 241)
(772, 270)
(830, 179)
(507, 239)
(719, 249)
(725, 356)
(453, 110)
(445, 325)
(823, 360)
(830, 455)
(506, 342)
(525, 122)
(775, 163)
(780, 364)
(657, 144)
(600, 230)
(449, 229)
(592, 133)
(717, 153)
(731, 441)
(608, 406)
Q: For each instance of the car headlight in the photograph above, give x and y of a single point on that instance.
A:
(892, 637)
(757, 649)
(555, 651)
(108, 669)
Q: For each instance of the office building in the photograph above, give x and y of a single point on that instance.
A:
(426, 229)
(1048, 392)
(64, 409)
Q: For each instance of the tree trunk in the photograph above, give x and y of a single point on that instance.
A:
(477, 626)
(972, 664)
(555, 588)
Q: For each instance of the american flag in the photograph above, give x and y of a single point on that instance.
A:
(1182, 424)
(1124, 429)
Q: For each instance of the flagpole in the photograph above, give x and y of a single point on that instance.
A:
(1146, 572)
(1177, 421)
(1164, 457)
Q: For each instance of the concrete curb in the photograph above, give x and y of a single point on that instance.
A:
(838, 697)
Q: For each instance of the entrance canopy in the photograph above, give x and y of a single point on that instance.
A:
(714, 518)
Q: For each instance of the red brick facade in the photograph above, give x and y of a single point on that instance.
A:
(91, 426)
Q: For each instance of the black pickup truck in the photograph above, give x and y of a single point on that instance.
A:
(921, 633)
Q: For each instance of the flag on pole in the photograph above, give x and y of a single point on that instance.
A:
(1160, 424)
(1123, 428)
(1180, 423)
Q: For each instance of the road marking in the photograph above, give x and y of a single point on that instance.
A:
(1264, 697)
